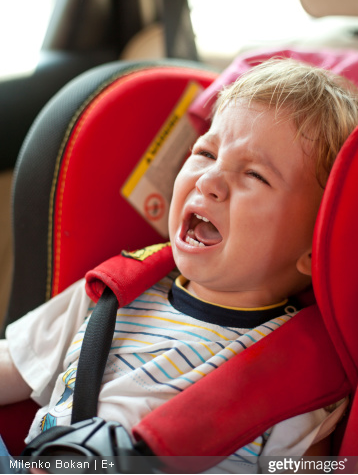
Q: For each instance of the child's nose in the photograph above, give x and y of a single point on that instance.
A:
(212, 184)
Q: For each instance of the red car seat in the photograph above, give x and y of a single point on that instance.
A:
(78, 142)
(68, 212)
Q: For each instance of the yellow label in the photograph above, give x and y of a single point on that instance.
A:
(142, 254)
(180, 109)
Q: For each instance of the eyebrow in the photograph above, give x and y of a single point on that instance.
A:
(204, 137)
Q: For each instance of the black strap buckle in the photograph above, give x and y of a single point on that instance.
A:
(91, 438)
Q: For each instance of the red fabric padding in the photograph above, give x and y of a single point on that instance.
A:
(335, 251)
(15, 421)
(128, 277)
(291, 371)
(335, 270)
(92, 221)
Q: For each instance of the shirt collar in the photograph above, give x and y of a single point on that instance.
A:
(185, 302)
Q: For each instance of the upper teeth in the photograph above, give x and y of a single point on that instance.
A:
(201, 217)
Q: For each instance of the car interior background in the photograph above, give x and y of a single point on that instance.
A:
(84, 34)
(141, 29)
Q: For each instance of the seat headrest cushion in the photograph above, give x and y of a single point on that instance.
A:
(335, 255)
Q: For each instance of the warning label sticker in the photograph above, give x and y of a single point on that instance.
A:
(149, 187)
(154, 207)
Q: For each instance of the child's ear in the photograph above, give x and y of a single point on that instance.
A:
(304, 263)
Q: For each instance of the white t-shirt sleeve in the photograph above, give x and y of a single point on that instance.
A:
(294, 436)
(38, 341)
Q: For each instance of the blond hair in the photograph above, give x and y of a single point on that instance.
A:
(323, 106)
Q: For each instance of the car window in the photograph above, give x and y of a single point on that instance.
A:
(224, 29)
(23, 25)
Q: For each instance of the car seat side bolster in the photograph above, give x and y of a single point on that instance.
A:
(299, 357)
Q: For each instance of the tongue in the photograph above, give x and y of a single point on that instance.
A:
(207, 233)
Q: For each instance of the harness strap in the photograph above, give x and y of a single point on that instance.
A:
(130, 273)
(93, 357)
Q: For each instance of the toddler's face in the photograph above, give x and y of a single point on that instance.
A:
(244, 208)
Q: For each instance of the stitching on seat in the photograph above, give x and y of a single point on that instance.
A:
(52, 281)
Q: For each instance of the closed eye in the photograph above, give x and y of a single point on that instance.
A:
(258, 177)
(204, 153)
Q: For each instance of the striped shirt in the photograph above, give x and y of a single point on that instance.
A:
(163, 343)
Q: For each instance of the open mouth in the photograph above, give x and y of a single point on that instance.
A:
(201, 232)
